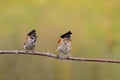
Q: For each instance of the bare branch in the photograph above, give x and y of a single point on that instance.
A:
(54, 56)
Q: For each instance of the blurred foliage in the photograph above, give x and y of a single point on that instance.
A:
(95, 26)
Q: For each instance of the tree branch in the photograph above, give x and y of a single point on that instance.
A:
(54, 56)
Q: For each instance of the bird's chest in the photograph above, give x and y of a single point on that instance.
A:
(65, 47)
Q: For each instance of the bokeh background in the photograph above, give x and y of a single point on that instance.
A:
(95, 25)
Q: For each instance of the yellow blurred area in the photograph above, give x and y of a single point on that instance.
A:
(95, 27)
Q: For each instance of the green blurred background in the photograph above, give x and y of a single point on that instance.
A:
(95, 25)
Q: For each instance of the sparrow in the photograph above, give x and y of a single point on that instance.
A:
(64, 45)
(30, 42)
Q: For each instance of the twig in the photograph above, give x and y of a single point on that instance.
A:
(54, 56)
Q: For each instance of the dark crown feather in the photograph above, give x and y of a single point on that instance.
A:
(66, 35)
(33, 32)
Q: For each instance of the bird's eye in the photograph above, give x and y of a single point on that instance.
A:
(32, 38)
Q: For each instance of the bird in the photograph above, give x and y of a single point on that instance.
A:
(30, 42)
(64, 45)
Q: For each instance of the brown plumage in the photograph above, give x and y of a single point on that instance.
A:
(64, 45)
(30, 41)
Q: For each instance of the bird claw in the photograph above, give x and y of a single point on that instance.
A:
(32, 51)
(60, 57)
(68, 56)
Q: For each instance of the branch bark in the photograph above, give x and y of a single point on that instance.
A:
(54, 56)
